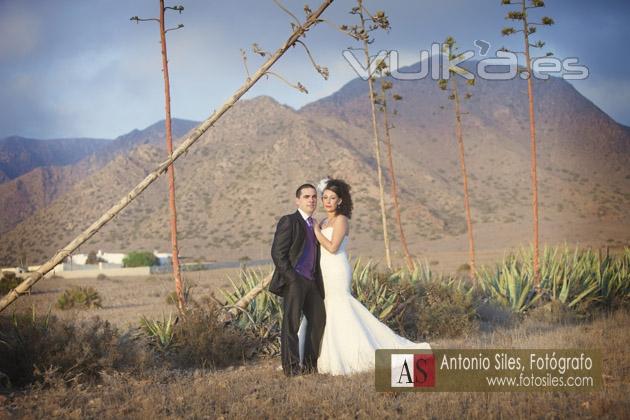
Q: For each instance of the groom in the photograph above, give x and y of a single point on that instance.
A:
(298, 279)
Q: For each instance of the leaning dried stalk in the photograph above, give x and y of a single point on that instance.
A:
(34, 277)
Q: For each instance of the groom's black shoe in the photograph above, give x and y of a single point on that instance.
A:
(309, 370)
(293, 371)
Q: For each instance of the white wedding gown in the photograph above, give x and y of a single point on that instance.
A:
(352, 333)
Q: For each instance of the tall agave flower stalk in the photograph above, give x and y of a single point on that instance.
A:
(382, 101)
(298, 32)
(456, 98)
(369, 22)
(528, 29)
(177, 274)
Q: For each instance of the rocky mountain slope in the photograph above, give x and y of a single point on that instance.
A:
(240, 177)
(51, 178)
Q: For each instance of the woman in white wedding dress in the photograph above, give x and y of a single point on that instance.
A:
(352, 333)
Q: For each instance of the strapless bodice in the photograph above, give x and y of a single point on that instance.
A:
(328, 232)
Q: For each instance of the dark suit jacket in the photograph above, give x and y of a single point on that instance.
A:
(288, 244)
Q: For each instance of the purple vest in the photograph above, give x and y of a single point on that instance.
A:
(306, 264)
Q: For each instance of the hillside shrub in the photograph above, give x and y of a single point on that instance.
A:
(8, 282)
(198, 340)
(140, 259)
(441, 308)
(92, 258)
(33, 347)
(202, 341)
(79, 297)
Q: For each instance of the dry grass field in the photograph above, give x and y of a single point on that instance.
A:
(124, 299)
(256, 389)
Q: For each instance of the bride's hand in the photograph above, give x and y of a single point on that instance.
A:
(316, 224)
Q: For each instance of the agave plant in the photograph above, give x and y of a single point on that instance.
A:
(612, 277)
(171, 298)
(586, 277)
(19, 322)
(510, 283)
(160, 333)
(623, 275)
(421, 272)
(380, 295)
(86, 297)
(567, 278)
(264, 314)
(573, 278)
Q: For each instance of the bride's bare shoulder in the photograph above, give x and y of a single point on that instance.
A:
(342, 221)
(341, 218)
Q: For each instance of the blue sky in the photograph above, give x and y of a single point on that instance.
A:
(80, 68)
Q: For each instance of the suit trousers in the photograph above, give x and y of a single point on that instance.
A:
(301, 296)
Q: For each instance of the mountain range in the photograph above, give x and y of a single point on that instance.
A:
(43, 170)
(237, 180)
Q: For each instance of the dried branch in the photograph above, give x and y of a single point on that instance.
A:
(179, 9)
(244, 302)
(257, 50)
(321, 70)
(341, 28)
(299, 86)
(244, 56)
(287, 11)
(180, 26)
(138, 20)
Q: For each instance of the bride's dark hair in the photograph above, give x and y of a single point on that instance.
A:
(342, 189)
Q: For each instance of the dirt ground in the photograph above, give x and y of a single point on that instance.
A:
(259, 390)
(124, 299)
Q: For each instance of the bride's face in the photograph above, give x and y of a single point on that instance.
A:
(330, 200)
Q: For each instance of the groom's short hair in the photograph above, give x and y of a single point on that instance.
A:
(298, 192)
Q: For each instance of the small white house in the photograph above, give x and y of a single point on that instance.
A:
(164, 258)
(78, 259)
(111, 257)
(108, 257)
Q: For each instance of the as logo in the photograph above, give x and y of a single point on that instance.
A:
(412, 370)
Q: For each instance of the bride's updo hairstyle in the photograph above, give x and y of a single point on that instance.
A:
(342, 189)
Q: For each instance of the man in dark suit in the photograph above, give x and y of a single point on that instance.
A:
(298, 279)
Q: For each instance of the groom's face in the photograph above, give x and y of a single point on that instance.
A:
(307, 201)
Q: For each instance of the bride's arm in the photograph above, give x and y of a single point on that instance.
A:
(340, 229)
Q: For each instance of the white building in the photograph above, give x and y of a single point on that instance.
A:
(111, 257)
(78, 259)
(164, 258)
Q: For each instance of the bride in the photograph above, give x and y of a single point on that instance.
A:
(352, 333)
